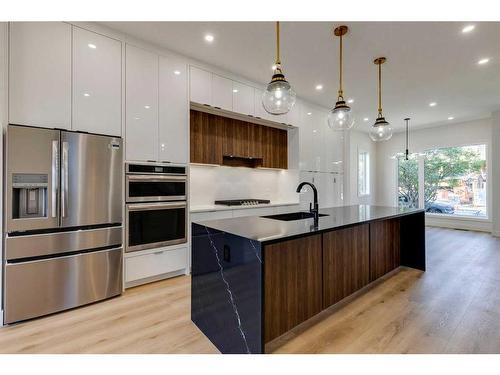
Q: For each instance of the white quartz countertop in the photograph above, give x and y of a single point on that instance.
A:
(218, 207)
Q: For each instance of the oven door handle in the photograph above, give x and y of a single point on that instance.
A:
(155, 178)
(155, 206)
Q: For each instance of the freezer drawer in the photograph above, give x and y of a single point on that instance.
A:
(36, 245)
(46, 286)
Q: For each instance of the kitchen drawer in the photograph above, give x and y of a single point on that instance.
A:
(211, 215)
(155, 264)
(258, 211)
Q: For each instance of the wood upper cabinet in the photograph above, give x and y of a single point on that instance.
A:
(141, 104)
(97, 83)
(222, 92)
(384, 247)
(40, 74)
(293, 284)
(346, 262)
(206, 138)
(173, 110)
(200, 85)
(230, 138)
(274, 148)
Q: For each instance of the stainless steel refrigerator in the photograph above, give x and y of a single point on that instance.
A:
(63, 220)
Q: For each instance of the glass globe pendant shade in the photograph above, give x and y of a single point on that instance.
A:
(381, 130)
(341, 117)
(279, 97)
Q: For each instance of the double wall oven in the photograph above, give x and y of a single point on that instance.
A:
(156, 206)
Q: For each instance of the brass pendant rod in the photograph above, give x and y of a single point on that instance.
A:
(340, 70)
(278, 62)
(380, 89)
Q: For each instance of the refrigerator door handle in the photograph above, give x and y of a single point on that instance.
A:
(64, 179)
(55, 176)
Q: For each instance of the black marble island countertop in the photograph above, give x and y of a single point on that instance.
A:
(255, 278)
(264, 229)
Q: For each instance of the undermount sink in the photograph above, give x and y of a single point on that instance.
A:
(292, 216)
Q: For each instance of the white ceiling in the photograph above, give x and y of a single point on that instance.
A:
(426, 62)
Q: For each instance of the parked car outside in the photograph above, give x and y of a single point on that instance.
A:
(439, 207)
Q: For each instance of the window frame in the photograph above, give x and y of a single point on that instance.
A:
(367, 177)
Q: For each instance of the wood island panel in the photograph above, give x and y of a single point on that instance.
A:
(346, 262)
(384, 247)
(293, 284)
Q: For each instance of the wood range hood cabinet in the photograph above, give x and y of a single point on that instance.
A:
(221, 140)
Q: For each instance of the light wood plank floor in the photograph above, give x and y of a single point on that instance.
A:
(454, 307)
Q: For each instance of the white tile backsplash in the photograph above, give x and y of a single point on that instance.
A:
(210, 183)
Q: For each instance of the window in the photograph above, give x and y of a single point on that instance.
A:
(408, 182)
(453, 182)
(363, 173)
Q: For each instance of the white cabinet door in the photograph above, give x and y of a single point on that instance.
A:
(222, 92)
(141, 129)
(200, 86)
(243, 99)
(305, 139)
(317, 142)
(97, 83)
(334, 146)
(173, 108)
(293, 117)
(259, 110)
(40, 74)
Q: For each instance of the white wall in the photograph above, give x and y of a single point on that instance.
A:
(495, 173)
(358, 141)
(3, 124)
(455, 134)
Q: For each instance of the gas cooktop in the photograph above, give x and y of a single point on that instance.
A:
(242, 202)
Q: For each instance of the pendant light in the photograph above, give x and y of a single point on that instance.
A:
(340, 117)
(381, 129)
(279, 97)
(407, 120)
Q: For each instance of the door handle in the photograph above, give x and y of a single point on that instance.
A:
(55, 176)
(64, 179)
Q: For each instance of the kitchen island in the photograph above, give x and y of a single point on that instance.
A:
(256, 278)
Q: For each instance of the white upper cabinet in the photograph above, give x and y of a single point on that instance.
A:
(40, 74)
(141, 127)
(200, 86)
(97, 88)
(243, 99)
(259, 110)
(222, 92)
(293, 116)
(174, 123)
(334, 146)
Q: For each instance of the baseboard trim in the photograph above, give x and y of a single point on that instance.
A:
(474, 225)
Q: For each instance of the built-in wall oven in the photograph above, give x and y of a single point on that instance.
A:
(156, 206)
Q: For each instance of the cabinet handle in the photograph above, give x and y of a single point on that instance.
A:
(158, 253)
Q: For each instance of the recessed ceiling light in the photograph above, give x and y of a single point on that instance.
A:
(147, 106)
(91, 45)
(209, 38)
(483, 61)
(235, 90)
(176, 72)
(86, 94)
(319, 87)
(451, 118)
(366, 119)
(432, 104)
(350, 101)
(468, 28)
(309, 113)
